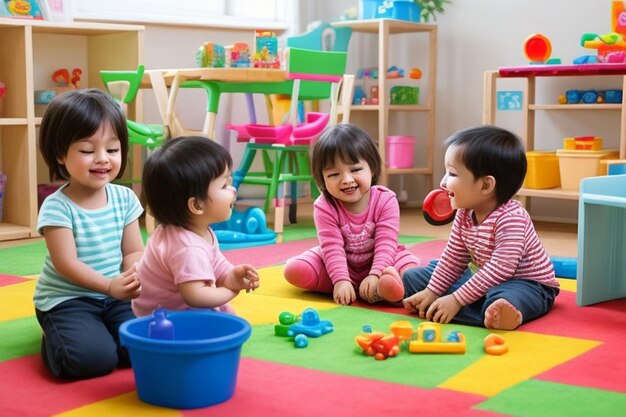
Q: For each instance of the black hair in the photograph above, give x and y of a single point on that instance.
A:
(182, 168)
(350, 143)
(490, 150)
(76, 115)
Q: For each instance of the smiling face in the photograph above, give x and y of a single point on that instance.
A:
(349, 183)
(93, 162)
(466, 191)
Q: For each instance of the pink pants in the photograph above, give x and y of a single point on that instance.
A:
(308, 270)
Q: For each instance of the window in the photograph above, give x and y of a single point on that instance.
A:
(266, 14)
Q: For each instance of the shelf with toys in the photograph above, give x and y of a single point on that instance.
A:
(607, 67)
(30, 51)
(384, 29)
(529, 113)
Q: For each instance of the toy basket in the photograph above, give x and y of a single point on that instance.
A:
(198, 368)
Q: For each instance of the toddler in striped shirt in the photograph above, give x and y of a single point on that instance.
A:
(494, 271)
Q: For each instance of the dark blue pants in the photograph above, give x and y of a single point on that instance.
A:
(531, 298)
(81, 337)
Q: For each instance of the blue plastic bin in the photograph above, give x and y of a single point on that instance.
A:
(601, 271)
(196, 369)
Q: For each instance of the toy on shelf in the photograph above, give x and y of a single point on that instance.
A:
(300, 327)
(591, 96)
(63, 83)
(22, 9)
(359, 96)
(395, 72)
(583, 143)
(403, 94)
(538, 49)
(61, 78)
(415, 73)
(266, 53)
(437, 209)
(238, 55)
(211, 55)
(495, 344)
(610, 47)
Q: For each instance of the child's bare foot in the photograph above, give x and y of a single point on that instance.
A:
(390, 287)
(502, 315)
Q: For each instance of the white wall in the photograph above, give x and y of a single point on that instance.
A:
(474, 36)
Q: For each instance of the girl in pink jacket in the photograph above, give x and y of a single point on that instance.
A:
(357, 224)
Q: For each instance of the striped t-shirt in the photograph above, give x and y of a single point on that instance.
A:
(98, 236)
(504, 246)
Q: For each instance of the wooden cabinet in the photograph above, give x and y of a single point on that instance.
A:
(22, 45)
(530, 108)
(384, 31)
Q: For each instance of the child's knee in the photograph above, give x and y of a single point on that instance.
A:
(82, 362)
(299, 273)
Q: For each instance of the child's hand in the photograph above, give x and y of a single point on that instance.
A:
(243, 277)
(125, 286)
(443, 309)
(343, 293)
(419, 302)
(367, 289)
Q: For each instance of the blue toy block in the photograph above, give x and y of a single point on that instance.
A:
(564, 267)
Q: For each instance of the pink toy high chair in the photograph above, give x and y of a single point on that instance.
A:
(285, 148)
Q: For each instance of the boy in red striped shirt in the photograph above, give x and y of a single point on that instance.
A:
(494, 271)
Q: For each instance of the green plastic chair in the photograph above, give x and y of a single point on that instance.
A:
(123, 87)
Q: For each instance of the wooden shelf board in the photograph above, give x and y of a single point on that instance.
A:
(395, 26)
(556, 193)
(10, 231)
(567, 107)
(13, 121)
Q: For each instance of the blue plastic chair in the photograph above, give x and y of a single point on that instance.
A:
(601, 269)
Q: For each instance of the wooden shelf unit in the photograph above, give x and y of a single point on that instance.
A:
(384, 29)
(108, 46)
(529, 109)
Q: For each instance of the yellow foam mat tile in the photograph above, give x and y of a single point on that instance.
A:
(276, 295)
(122, 405)
(16, 301)
(567, 284)
(529, 354)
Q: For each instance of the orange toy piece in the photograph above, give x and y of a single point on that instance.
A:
(76, 74)
(495, 344)
(61, 77)
(379, 345)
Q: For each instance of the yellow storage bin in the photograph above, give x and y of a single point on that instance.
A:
(576, 165)
(543, 170)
